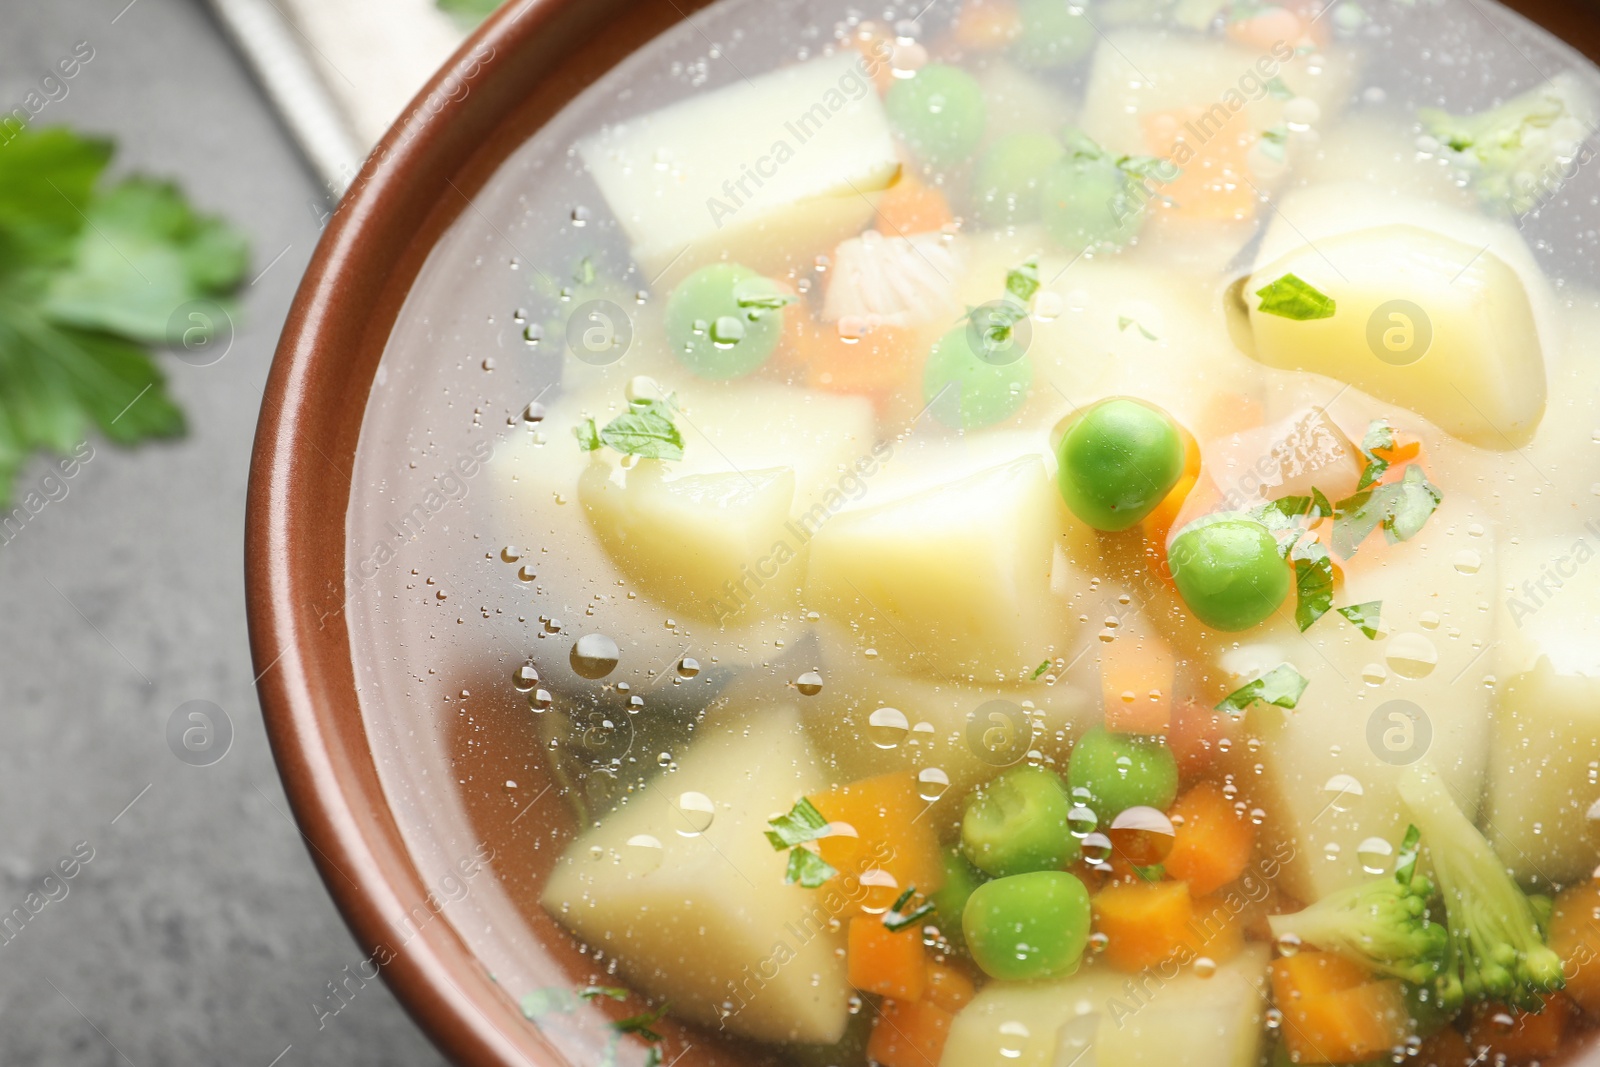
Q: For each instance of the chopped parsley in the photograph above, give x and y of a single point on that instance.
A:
(803, 824)
(1313, 577)
(996, 321)
(1282, 686)
(1278, 90)
(1040, 669)
(1379, 438)
(1402, 508)
(1291, 297)
(1364, 617)
(897, 918)
(645, 430)
(1123, 322)
(642, 1023)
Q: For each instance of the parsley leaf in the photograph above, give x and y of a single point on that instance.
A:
(608, 991)
(1364, 617)
(1406, 861)
(1379, 437)
(1291, 297)
(1402, 508)
(1022, 282)
(897, 918)
(1040, 669)
(807, 869)
(803, 823)
(1313, 576)
(1282, 686)
(468, 13)
(1123, 322)
(1278, 90)
(641, 1024)
(645, 430)
(88, 277)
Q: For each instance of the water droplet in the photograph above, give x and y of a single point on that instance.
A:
(594, 656)
(688, 668)
(534, 412)
(526, 572)
(643, 854)
(540, 700)
(1013, 1039)
(1429, 620)
(1468, 562)
(877, 878)
(809, 684)
(932, 783)
(696, 811)
(1411, 655)
(524, 678)
(1374, 674)
(511, 553)
(1097, 848)
(887, 727)
(664, 759)
(580, 216)
(1375, 854)
(1205, 967)
(532, 334)
(1098, 942)
(1142, 835)
(1342, 789)
(1288, 945)
(1081, 821)
(727, 331)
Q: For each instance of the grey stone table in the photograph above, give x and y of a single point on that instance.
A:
(195, 930)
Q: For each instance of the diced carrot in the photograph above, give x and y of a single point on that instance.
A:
(1196, 729)
(1158, 524)
(1339, 1026)
(872, 365)
(876, 44)
(1211, 841)
(1216, 931)
(1309, 974)
(1575, 935)
(909, 1035)
(1447, 1048)
(1520, 1036)
(986, 25)
(1405, 449)
(1136, 682)
(948, 987)
(1214, 183)
(1145, 923)
(887, 962)
(1274, 26)
(886, 834)
(912, 206)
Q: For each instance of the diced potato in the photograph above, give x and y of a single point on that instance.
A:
(690, 541)
(1330, 768)
(813, 138)
(954, 579)
(682, 889)
(1423, 320)
(1168, 1017)
(821, 438)
(1380, 147)
(1545, 759)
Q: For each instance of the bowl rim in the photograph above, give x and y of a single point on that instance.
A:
(523, 64)
(452, 136)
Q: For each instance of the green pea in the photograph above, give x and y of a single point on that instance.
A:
(1229, 572)
(960, 880)
(939, 112)
(1052, 34)
(1111, 773)
(1119, 460)
(1088, 202)
(725, 320)
(1028, 926)
(1009, 175)
(1018, 823)
(967, 391)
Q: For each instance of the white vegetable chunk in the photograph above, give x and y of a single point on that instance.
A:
(810, 141)
(891, 281)
(1161, 1018)
(1544, 775)
(681, 887)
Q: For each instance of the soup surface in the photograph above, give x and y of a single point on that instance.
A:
(1011, 533)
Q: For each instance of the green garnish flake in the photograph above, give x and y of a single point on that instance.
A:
(642, 1024)
(1123, 322)
(1379, 436)
(1278, 90)
(584, 274)
(1313, 576)
(1402, 508)
(1022, 282)
(1150, 168)
(1153, 873)
(807, 869)
(610, 992)
(1039, 670)
(897, 918)
(1275, 143)
(645, 430)
(1292, 297)
(1364, 617)
(1282, 686)
(803, 823)
(1406, 862)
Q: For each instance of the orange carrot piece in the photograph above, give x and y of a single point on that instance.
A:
(1211, 841)
(886, 962)
(1332, 1013)
(1575, 935)
(987, 25)
(888, 837)
(1158, 524)
(1520, 1036)
(909, 1035)
(1196, 728)
(1215, 183)
(1216, 931)
(911, 206)
(872, 365)
(1145, 923)
(1273, 28)
(1136, 682)
(948, 987)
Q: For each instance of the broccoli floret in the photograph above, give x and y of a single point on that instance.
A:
(1497, 948)
(1519, 154)
(1383, 924)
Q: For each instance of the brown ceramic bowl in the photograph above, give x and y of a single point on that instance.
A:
(521, 68)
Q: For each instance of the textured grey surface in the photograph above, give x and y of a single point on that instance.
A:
(199, 932)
